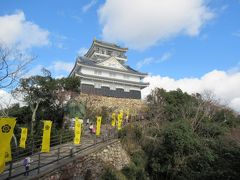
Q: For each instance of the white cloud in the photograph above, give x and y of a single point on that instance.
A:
(78, 18)
(6, 99)
(59, 40)
(224, 7)
(143, 23)
(144, 62)
(89, 5)
(82, 51)
(224, 85)
(237, 33)
(62, 66)
(37, 70)
(151, 60)
(165, 57)
(58, 69)
(60, 45)
(235, 104)
(17, 31)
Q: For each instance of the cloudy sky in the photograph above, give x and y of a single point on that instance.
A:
(189, 44)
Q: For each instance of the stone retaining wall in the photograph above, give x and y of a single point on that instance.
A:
(92, 165)
(117, 104)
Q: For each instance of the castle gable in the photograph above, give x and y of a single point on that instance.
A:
(112, 62)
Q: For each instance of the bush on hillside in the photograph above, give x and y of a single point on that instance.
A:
(110, 173)
(187, 138)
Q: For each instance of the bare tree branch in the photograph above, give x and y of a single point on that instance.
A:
(12, 66)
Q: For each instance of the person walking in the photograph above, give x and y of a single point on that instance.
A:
(94, 130)
(91, 128)
(26, 163)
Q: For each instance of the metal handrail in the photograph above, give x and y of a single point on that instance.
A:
(70, 154)
(39, 163)
(59, 156)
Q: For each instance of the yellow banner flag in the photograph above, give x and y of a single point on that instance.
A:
(121, 112)
(77, 131)
(24, 132)
(8, 153)
(6, 132)
(46, 136)
(113, 119)
(120, 117)
(99, 120)
(2, 161)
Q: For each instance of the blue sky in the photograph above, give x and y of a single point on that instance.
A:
(179, 40)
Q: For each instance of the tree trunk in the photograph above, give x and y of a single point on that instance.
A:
(34, 117)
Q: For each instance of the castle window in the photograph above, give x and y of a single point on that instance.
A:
(101, 51)
(97, 72)
(112, 74)
(113, 87)
(126, 76)
(97, 85)
(121, 55)
(109, 53)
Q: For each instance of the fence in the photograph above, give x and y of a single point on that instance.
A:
(59, 151)
(61, 148)
(33, 144)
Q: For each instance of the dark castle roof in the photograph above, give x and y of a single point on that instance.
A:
(103, 43)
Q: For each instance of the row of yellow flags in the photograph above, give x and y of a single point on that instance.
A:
(78, 125)
(7, 126)
(6, 132)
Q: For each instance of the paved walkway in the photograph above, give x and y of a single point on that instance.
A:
(57, 153)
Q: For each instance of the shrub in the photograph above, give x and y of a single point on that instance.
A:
(110, 173)
(130, 171)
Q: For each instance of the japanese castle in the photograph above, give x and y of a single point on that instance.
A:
(103, 71)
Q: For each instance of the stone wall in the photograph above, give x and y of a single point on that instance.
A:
(113, 155)
(90, 165)
(117, 104)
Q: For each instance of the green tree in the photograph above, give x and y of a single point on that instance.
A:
(35, 90)
(23, 113)
(65, 90)
(47, 96)
(186, 137)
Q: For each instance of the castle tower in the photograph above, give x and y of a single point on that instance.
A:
(103, 71)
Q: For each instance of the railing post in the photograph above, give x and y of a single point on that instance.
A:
(33, 145)
(71, 152)
(58, 154)
(94, 139)
(39, 163)
(107, 134)
(10, 170)
(61, 138)
(103, 137)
